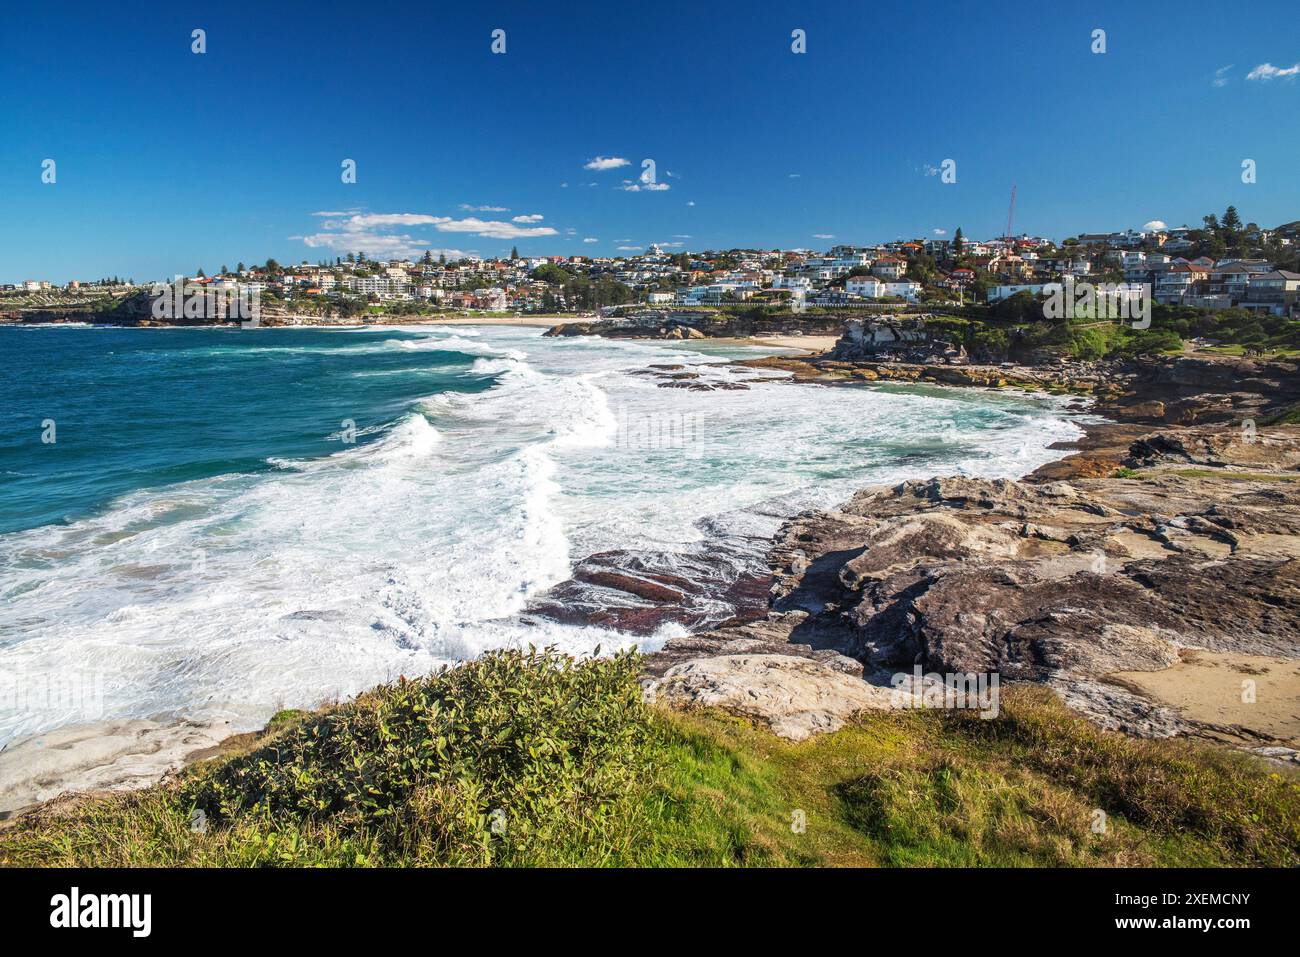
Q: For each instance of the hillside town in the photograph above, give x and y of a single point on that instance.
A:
(1222, 264)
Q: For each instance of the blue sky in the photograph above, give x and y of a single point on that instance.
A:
(169, 161)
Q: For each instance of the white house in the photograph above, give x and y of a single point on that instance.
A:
(890, 267)
(904, 288)
(869, 287)
(998, 293)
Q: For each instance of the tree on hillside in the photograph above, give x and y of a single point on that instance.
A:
(201, 274)
(921, 267)
(1232, 230)
(241, 268)
(514, 252)
(958, 243)
(549, 272)
(1021, 307)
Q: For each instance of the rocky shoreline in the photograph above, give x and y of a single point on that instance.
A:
(1151, 577)
(1144, 577)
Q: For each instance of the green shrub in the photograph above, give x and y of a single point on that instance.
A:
(499, 758)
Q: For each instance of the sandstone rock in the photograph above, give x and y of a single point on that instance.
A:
(1058, 582)
(795, 696)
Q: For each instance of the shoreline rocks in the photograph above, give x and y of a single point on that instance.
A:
(1166, 544)
(1063, 583)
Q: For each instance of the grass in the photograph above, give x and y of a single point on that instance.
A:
(1289, 416)
(533, 759)
(1124, 472)
(1233, 476)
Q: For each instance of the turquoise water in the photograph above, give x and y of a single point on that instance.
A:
(201, 541)
(134, 408)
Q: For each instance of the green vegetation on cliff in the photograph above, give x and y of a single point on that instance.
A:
(1016, 326)
(532, 758)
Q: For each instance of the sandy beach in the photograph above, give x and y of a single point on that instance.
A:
(811, 345)
(1239, 698)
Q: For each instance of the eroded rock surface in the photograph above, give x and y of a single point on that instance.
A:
(795, 696)
(1065, 583)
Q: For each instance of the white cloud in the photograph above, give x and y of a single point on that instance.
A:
(1155, 224)
(530, 218)
(379, 245)
(795, 175)
(490, 228)
(646, 181)
(564, 186)
(1221, 76)
(484, 209)
(929, 169)
(823, 235)
(941, 232)
(681, 235)
(690, 202)
(605, 162)
(493, 229)
(629, 249)
(372, 233)
(359, 221)
(590, 239)
(1267, 71)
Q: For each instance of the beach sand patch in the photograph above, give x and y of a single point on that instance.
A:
(1232, 696)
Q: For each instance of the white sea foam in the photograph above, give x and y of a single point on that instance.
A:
(233, 596)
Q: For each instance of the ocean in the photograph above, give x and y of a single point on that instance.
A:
(218, 523)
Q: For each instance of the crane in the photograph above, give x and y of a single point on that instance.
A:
(1011, 210)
